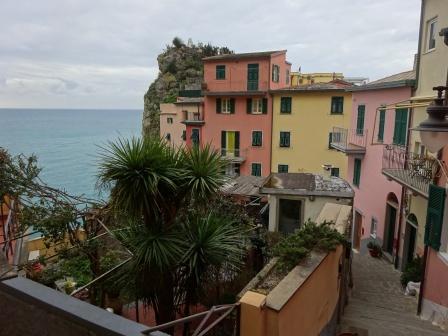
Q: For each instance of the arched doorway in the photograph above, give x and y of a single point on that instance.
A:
(410, 238)
(390, 223)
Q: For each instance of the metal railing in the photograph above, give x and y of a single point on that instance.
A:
(192, 116)
(234, 152)
(412, 170)
(349, 140)
(235, 85)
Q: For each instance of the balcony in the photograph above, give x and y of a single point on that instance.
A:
(234, 155)
(235, 87)
(193, 118)
(414, 171)
(349, 141)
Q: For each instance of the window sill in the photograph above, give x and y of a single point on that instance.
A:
(429, 51)
(337, 113)
(443, 256)
(284, 147)
(286, 113)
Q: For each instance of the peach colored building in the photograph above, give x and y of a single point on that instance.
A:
(175, 116)
(238, 108)
(373, 133)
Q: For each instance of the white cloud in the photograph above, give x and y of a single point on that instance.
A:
(81, 53)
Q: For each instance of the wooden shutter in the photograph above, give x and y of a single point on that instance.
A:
(223, 142)
(434, 216)
(330, 139)
(357, 172)
(381, 125)
(360, 120)
(249, 105)
(218, 105)
(232, 105)
(265, 106)
(273, 72)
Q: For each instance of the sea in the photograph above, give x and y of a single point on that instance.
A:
(67, 142)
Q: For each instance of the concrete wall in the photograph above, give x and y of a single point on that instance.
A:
(371, 195)
(310, 124)
(304, 313)
(28, 308)
(310, 208)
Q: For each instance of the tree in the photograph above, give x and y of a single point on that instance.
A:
(165, 192)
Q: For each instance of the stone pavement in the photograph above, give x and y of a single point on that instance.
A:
(377, 305)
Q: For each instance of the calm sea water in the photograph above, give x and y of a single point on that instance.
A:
(66, 141)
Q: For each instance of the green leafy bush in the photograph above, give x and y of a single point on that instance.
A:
(295, 247)
(412, 272)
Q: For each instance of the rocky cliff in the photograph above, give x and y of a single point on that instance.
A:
(180, 67)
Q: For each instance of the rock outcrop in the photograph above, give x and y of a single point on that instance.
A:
(180, 67)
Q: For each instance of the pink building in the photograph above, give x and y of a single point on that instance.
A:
(375, 131)
(238, 108)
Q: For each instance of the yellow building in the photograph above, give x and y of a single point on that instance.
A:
(298, 78)
(303, 119)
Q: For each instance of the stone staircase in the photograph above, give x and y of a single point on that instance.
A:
(378, 306)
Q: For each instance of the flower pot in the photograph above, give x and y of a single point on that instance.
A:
(374, 253)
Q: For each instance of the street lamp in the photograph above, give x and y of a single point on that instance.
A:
(434, 130)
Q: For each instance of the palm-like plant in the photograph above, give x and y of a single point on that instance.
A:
(150, 182)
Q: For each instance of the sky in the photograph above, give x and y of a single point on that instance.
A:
(103, 53)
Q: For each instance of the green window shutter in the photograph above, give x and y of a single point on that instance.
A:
(257, 138)
(184, 135)
(237, 143)
(232, 105)
(330, 139)
(256, 169)
(249, 105)
(360, 120)
(434, 216)
(400, 126)
(223, 143)
(357, 172)
(285, 104)
(282, 168)
(381, 125)
(220, 72)
(218, 105)
(335, 172)
(285, 139)
(273, 72)
(337, 105)
(265, 106)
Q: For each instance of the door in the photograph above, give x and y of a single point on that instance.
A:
(195, 136)
(289, 217)
(389, 234)
(230, 143)
(357, 231)
(411, 242)
(252, 77)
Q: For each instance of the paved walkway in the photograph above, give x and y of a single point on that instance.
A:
(377, 305)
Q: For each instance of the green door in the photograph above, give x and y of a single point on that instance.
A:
(252, 77)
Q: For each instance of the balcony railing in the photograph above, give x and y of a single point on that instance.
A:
(349, 141)
(411, 170)
(234, 154)
(193, 118)
(213, 87)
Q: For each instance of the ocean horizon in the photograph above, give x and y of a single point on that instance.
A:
(67, 141)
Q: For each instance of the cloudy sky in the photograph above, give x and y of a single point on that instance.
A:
(102, 53)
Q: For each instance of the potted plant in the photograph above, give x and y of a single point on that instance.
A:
(374, 249)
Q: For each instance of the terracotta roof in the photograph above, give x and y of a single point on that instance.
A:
(402, 79)
(244, 55)
(336, 84)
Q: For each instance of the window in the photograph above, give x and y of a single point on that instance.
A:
(287, 77)
(285, 139)
(333, 137)
(225, 105)
(360, 120)
(431, 30)
(168, 136)
(334, 172)
(285, 104)
(256, 169)
(184, 135)
(220, 72)
(195, 136)
(252, 77)
(434, 216)
(373, 226)
(169, 120)
(230, 143)
(257, 106)
(381, 125)
(275, 73)
(337, 105)
(357, 172)
(283, 168)
(257, 138)
(401, 127)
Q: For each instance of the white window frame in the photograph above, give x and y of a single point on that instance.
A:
(429, 24)
(257, 106)
(251, 134)
(225, 106)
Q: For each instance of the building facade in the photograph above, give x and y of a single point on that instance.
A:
(378, 198)
(303, 118)
(238, 108)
